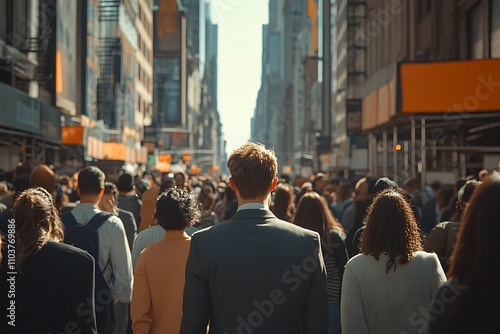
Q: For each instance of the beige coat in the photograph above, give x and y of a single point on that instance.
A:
(156, 305)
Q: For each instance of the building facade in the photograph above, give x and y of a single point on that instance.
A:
(186, 133)
(430, 106)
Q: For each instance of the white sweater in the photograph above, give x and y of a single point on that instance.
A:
(373, 301)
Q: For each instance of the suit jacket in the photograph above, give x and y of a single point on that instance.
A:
(156, 305)
(52, 292)
(255, 274)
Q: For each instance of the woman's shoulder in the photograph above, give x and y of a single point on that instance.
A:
(361, 261)
(62, 250)
(423, 256)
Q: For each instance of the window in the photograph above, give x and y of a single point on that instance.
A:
(495, 29)
(475, 38)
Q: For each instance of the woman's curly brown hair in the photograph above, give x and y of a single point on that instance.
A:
(391, 228)
(36, 220)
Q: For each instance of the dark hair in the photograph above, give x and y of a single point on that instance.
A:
(464, 195)
(90, 180)
(176, 209)
(111, 188)
(283, 201)
(37, 221)
(344, 191)
(476, 255)
(391, 228)
(21, 183)
(253, 168)
(444, 197)
(167, 184)
(313, 213)
(206, 198)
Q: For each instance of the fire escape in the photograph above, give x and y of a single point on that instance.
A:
(356, 58)
(109, 54)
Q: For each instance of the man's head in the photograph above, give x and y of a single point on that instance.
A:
(91, 182)
(363, 190)
(464, 195)
(125, 183)
(253, 171)
(43, 176)
(180, 179)
(483, 174)
(319, 183)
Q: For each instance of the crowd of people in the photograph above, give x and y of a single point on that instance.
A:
(251, 253)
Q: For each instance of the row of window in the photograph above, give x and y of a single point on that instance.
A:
(478, 38)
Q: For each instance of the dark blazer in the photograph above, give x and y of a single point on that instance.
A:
(53, 293)
(255, 274)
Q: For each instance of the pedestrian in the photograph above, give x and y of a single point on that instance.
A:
(159, 275)
(283, 204)
(314, 214)
(468, 302)
(109, 247)
(254, 272)
(442, 238)
(387, 284)
(53, 288)
(127, 197)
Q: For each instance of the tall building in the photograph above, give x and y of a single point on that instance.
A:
(429, 103)
(144, 61)
(350, 144)
(169, 130)
(275, 103)
(186, 131)
(212, 145)
(30, 120)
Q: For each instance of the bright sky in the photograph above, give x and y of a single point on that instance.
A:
(240, 51)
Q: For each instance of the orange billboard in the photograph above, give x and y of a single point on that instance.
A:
(72, 135)
(114, 151)
(461, 86)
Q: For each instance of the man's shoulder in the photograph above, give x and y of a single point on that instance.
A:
(273, 225)
(125, 214)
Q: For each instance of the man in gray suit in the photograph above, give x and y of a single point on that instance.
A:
(255, 273)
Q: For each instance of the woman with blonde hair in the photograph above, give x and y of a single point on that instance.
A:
(54, 285)
(313, 214)
(392, 279)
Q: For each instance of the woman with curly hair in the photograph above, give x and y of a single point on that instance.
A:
(386, 286)
(468, 302)
(54, 285)
(314, 214)
(156, 305)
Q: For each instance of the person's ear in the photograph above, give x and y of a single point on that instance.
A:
(231, 184)
(101, 192)
(274, 183)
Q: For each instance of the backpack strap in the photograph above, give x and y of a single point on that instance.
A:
(68, 220)
(97, 222)
(99, 219)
